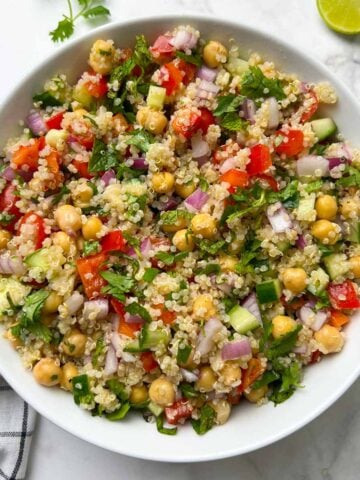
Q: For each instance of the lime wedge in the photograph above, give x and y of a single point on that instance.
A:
(341, 15)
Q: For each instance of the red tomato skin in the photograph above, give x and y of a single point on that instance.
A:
(236, 178)
(148, 361)
(179, 410)
(38, 222)
(294, 144)
(305, 117)
(7, 205)
(172, 77)
(206, 119)
(113, 242)
(54, 122)
(92, 265)
(98, 88)
(347, 290)
(260, 160)
(83, 169)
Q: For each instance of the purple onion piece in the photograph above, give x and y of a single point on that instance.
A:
(196, 200)
(8, 174)
(300, 242)
(140, 163)
(170, 204)
(236, 349)
(336, 161)
(206, 73)
(279, 218)
(251, 304)
(248, 110)
(145, 246)
(109, 175)
(111, 362)
(36, 123)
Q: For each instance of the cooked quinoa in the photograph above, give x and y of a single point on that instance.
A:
(179, 232)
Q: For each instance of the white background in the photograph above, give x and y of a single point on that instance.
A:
(328, 449)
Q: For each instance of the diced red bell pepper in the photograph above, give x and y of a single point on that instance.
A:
(54, 122)
(187, 122)
(343, 295)
(97, 86)
(270, 180)
(206, 119)
(290, 143)
(338, 319)
(86, 140)
(254, 370)
(180, 410)
(83, 169)
(53, 161)
(162, 50)
(28, 155)
(8, 201)
(170, 77)
(188, 70)
(312, 108)
(127, 329)
(37, 223)
(315, 357)
(236, 178)
(260, 160)
(89, 269)
(167, 316)
(113, 242)
(148, 361)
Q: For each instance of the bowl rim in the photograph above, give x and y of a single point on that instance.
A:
(229, 452)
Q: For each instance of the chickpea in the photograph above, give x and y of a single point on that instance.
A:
(355, 266)
(255, 395)
(326, 207)
(74, 343)
(47, 372)
(139, 394)
(152, 120)
(231, 372)
(222, 409)
(350, 207)
(214, 54)
(102, 56)
(56, 138)
(185, 189)
(180, 224)
(68, 218)
(206, 380)
(63, 240)
(228, 263)
(294, 279)
(329, 339)
(183, 241)
(163, 182)
(325, 231)
(82, 195)
(5, 237)
(120, 124)
(281, 325)
(52, 303)
(91, 228)
(203, 307)
(162, 392)
(204, 224)
(69, 371)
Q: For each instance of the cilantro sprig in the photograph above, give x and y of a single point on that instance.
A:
(88, 9)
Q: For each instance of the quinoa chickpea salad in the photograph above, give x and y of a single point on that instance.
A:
(179, 232)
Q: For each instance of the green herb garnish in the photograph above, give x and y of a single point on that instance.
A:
(136, 309)
(103, 157)
(255, 85)
(81, 390)
(206, 420)
(161, 429)
(118, 284)
(90, 247)
(150, 274)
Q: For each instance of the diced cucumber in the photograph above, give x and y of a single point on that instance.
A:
(10, 287)
(336, 265)
(236, 66)
(318, 281)
(306, 209)
(156, 97)
(81, 95)
(45, 259)
(152, 338)
(155, 409)
(283, 245)
(268, 291)
(133, 347)
(354, 232)
(323, 128)
(242, 320)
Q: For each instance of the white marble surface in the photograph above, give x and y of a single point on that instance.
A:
(327, 449)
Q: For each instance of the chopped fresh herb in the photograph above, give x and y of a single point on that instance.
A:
(173, 216)
(229, 303)
(206, 420)
(244, 264)
(6, 218)
(289, 380)
(209, 247)
(208, 269)
(136, 309)
(231, 121)
(81, 390)
(94, 209)
(195, 58)
(318, 149)
(90, 247)
(203, 184)
(117, 388)
(29, 321)
(283, 345)
(183, 354)
(150, 274)
(169, 258)
(350, 178)
(268, 377)
(103, 157)
(228, 104)
(141, 139)
(255, 85)
(188, 390)
(119, 414)
(118, 284)
(131, 240)
(257, 197)
(99, 350)
(325, 250)
(58, 196)
(47, 100)
(323, 300)
(314, 186)
(161, 429)
(267, 329)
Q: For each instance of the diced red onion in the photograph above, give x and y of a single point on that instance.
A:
(199, 147)
(74, 302)
(189, 376)
(108, 175)
(228, 164)
(320, 318)
(202, 160)
(140, 163)
(341, 150)
(184, 40)
(133, 318)
(311, 164)
(248, 110)
(314, 320)
(236, 349)
(170, 204)
(251, 304)
(131, 253)
(205, 88)
(26, 175)
(206, 73)
(301, 349)
(145, 246)
(336, 161)
(278, 217)
(96, 309)
(274, 113)
(116, 343)
(206, 337)
(114, 319)
(196, 200)
(36, 123)
(8, 174)
(301, 242)
(111, 362)
(11, 265)
(74, 144)
(304, 87)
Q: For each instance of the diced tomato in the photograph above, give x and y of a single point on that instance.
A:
(86, 140)
(187, 122)
(8, 201)
(180, 410)
(54, 122)
(291, 142)
(53, 160)
(89, 270)
(254, 370)
(338, 319)
(236, 178)
(170, 77)
(148, 361)
(37, 223)
(343, 295)
(206, 119)
(188, 70)
(97, 86)
(82, 168)
(312, 108)
(162, 50)
(113, 242)
(270, 180)
(260, 160)
(315, 357)
(127, 329)
(167, 316)
(28, 155)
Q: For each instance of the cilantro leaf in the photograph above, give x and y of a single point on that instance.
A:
(150, 274)
(283, 345)
(47, 99)
(183, 354)
(206, 420)
(90, 247)
(209, 247)
(314, 186)
(58, 196)
(228, 104)
(33, 306)
(289, 379)
(63, 30)
(118, 284)
(231, 121)
(136, 309)
(141, 139)
(103, 157)
(81, 390)
(268, 377)
(255, 85)
(169, 258)
(208, 270)
(173, 216)
(195, 58)
(99, 350)
(97, 11)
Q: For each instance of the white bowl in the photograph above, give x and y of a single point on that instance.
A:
(249, 427)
